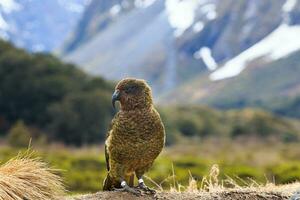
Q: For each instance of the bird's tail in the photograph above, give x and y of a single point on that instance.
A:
(109, 183)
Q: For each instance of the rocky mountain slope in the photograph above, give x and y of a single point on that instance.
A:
(38, 25)
(127, 42)
(172, 42)
(274, 86)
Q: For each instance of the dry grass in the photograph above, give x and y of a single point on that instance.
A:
(24, 177)
(212, 183)
(211, 187)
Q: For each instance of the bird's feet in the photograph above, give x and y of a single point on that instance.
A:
(146, 189)
(128, 189)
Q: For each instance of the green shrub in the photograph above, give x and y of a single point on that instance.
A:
(19, 135)
(81, 118)
(286, 172)
(243, 172)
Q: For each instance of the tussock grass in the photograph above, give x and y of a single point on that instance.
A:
(24, 177)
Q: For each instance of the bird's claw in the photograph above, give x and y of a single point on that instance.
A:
(146, 189)
(129, 190)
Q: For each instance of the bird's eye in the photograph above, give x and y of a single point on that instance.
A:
(130, 90)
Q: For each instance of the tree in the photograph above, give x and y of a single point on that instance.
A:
(80, 118)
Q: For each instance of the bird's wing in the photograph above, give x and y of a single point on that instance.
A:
(110, 129)
(106, 158)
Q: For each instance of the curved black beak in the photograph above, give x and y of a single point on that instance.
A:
(115, 97)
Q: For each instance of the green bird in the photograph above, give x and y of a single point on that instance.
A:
(135, 139)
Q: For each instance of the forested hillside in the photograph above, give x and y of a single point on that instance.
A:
(53, 98)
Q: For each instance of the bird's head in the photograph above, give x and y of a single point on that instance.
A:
(132, 94)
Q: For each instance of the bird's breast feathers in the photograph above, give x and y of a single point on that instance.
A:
(140, 131)
(139, 124)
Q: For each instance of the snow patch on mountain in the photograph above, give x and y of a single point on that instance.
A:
(143, 3)
(73, 6)
(286, 9)
(181, 14)
(205, 54)
(289, 5)
(281, 42)
(8, 6)
(209, 10)
(3, 24)
(198, 26)
(115, 9)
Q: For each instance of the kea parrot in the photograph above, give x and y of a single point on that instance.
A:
(135, 138)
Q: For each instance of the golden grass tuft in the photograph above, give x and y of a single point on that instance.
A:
(24, 177)
(213, 185)
(211, 182)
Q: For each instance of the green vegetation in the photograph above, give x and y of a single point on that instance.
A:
(84, 169)
(200, 122)
(246, 143)
(290, 107)
(19, 135)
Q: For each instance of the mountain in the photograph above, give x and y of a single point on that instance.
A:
(266, 74)
(39, 25)
(210, 50)
(134, 37)
(274, 86)
(172, 42)
(97, 16)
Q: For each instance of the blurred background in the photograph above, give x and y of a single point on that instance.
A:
(225, 76)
